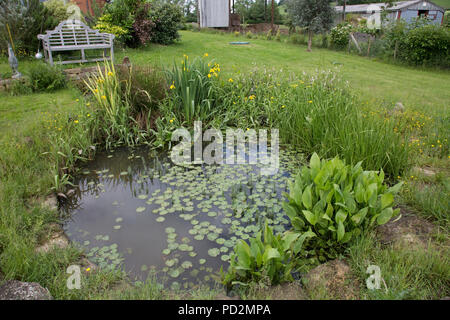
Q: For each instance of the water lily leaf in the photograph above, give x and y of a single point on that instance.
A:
(186, 265)
(213, 252)
(140, 209)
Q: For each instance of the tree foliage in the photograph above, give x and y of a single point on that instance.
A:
(316, 16)
(25, 19)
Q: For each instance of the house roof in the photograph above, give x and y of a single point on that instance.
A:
(363, 8)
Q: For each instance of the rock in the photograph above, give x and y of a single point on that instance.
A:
(17, 290)
(399, 107)
(332, 280)
(409, 230)
(57, 239)
(425, 171)
(51, 202)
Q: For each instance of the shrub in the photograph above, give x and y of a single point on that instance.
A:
(339, 35)
(429, 44)
(143, 26)
(167, 18)
(105, 24)
(268, 261)
(418, 43)
(47, 78)
(249, 35)
(337, 202)
(58, 9)
(26, 19)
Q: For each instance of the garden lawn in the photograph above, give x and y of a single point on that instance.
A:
(421, 89)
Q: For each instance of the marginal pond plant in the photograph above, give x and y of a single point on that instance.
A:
(336, 202)
(116, 124)
(268, 260)
(192, 89)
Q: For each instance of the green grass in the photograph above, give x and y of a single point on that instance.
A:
(416, 88)
(27, 173)
(409, 272)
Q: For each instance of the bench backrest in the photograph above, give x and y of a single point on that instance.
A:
(74, 33)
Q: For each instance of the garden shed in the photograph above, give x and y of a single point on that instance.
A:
(406, 10)
(214, 13)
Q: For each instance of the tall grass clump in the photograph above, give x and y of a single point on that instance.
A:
(115, 124)
(323, 116)
(315, 114)
(191, 87)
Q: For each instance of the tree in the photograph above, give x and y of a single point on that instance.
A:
(23, 20)
(314, 15)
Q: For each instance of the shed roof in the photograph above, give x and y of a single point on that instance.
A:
(363, 8)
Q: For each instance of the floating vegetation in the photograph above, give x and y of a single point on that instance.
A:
(212, 207)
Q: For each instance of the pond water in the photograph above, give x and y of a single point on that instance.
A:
(142, 213)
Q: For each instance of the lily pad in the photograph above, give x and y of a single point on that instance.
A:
(213, 252)
(140, 209)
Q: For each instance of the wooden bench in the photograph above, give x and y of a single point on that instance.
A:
(72, 35)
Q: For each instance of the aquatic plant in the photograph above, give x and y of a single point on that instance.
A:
(336, 202)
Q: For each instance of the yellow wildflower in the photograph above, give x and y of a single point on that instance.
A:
(104, 97)
(110, 74)
(205, 55)
(76, 121)
(172, 86)
(230, 80)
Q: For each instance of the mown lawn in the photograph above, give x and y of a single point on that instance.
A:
(425, 90)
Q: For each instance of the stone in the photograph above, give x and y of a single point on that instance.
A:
(51, 202)
(17, 290)
(57, 239)
(332, 280)
(425, 171)
(399, 107)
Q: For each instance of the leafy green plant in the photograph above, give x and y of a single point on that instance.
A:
(192, 88)
(340, 35)
(266, 260)
(44, 77)
(114, 109)
(167, 18)
(105, 24)
(337, 202)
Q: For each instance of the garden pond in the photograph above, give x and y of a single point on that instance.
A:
(136, 210)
